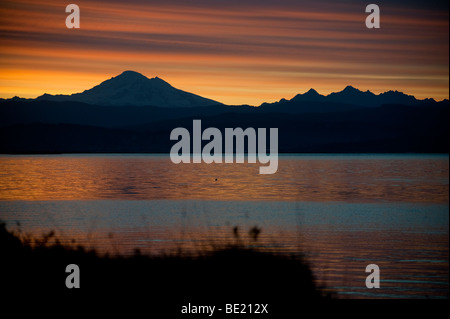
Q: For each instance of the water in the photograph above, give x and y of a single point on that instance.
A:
(342, 211)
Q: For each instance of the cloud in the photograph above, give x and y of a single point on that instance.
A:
(233, 45)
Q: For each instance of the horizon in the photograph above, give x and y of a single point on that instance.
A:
(234, 52)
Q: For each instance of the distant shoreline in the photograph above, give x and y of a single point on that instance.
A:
(283, 154)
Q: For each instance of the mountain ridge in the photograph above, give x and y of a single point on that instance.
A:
(131, 88)
(353, 96)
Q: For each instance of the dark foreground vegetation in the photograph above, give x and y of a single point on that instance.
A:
(232, 274)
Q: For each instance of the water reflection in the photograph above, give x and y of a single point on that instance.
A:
(299, 178)
(343, 212)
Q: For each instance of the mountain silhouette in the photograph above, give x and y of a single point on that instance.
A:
(310, 96)
(133, 88)
(131, 113)
(352, 96)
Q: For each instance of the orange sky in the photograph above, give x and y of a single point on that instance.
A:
(231, 51)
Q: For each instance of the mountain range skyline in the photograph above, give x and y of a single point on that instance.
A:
(135, 89)
(235, 52)
(131, 113)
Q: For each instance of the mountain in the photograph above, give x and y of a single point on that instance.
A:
(352, 96)
(386, 129)
(131, 113)
(133, 88)
(310, 96)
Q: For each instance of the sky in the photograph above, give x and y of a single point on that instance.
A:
(233, 51)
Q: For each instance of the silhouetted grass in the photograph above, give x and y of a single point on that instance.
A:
(231, 274)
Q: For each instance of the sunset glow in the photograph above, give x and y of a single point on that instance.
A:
(235, 52)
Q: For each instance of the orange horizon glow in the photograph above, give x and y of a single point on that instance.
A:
(234, 52)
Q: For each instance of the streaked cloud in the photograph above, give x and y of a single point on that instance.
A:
(232, 51)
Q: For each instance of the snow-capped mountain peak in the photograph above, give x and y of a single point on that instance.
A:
(133, 88)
